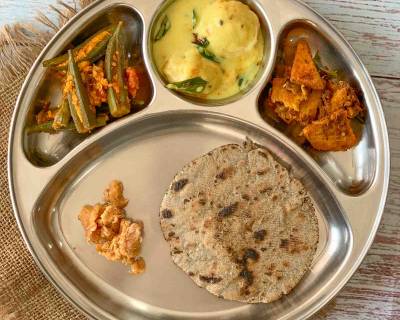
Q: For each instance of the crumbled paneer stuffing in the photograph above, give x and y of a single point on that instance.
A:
(116, 237)
(93, 77)
(132, 80)
(44, 116)
(114, 194)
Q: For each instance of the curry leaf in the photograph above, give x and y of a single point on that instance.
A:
(194, 18)
(241, 81)
(201, 45)
(165, 25)
(193, 85)
(325, 70)
(207, 54)
(202, 42)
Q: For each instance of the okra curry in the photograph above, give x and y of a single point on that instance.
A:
(212, 49)
(99, 84)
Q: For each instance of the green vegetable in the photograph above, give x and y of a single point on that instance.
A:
(202, 42)
(77, 121)
(208, 54)
(115, 65)
(193, 85)
(241, 80)
(201, 45)
(62, 116)
(165, 25)
(101, 120)
(82, 114)
(330, 73)
(90, 50)
(137, 102)
(194, 18)
(48, 127)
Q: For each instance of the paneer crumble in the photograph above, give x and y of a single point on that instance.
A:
(116, 237)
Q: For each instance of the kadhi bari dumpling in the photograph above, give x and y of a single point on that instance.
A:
(190, 64)
(231, 27)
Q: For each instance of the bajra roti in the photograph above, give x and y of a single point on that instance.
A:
(239, 224)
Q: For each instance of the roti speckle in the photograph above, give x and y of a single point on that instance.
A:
(260, 234)
(227, 211)
(250, 254)
(179, 185)
(284, 243)
(166, 213)
(210, 279)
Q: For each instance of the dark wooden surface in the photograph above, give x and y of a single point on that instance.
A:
(373, 29)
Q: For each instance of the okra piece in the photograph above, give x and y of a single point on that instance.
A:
(62, 116)
(78, 123)
(43, 127)
(48, 127)
(101, 120)
(115, 64)
(79, 104)
(90, 50)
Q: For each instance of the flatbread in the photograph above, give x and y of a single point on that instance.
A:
(239, 224)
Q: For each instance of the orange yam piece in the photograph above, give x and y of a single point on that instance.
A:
(286, 114)
(332, 133)
(309, 108)
(307, 112)
(304, 71)
(289, 94)
(340, 95)
(345, 97)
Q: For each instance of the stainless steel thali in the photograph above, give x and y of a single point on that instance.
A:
(146, 149)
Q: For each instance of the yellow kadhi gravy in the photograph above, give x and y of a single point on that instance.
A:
(208, 48)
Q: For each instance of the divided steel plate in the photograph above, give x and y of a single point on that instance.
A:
(52, 177)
